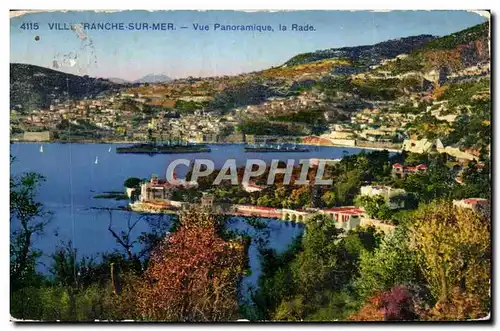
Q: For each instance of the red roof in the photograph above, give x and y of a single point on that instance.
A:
(345, 210)
(258, 207)
(474, 201)
(410, 168)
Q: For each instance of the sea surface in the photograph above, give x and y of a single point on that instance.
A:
(76, 173)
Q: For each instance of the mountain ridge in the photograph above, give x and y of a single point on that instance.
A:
(33, 86)
(370, 54)
(153, 78)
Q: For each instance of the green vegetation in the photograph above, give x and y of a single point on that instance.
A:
(433, 263)
(311, 280)
(461, 94)
(132, 182)
(188, 107)
(471, 102)
(247, 93)
(312, 117)
(265, 127)
(378, 89)
(376, 207)
(453, 40)
(363, 275)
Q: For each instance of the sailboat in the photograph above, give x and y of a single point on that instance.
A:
(41, 148)
(96, 160)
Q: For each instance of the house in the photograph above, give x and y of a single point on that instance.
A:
(476, 204)
(395, 198)
(458, 154)
(252, 187)
(401, 171)
(160, 189)
(385, 191)
(418, 146)
(347, 218)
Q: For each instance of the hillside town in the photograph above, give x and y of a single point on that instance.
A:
(182, 110)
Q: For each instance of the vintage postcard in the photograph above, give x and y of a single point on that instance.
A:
(224, 166)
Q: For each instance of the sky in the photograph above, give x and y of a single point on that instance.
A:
(185, 52)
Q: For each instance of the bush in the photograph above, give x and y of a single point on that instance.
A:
(132, 182)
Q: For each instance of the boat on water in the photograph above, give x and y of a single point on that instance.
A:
(163, 149)
(41, 148)
(109, 150)
(96, 160)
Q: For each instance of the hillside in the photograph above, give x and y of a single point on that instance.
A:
(366, 54)
(416, 87)
(33, 87)
(451, 53)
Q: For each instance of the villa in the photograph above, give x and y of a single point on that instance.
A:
(347, 218)
(401, 171)
(159, 189)
(395, 198)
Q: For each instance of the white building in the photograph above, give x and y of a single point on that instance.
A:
(387, 192)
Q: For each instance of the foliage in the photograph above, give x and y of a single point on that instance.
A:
(460, 306)
(395, 304)
(476, 32)
(476, 181)
(193, 275)
(313, 117)
(256, 223)
(437, 182)
(329, 198)
(28, 219)
(453, 250)
(189, 107)
(390, 264)
(247, 93)
(132, 182)
(266, 127)
(311, 281)
(371, 205)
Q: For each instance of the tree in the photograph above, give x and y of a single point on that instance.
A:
(370, 311)
(347, 186)
(146, 240)
(397, 304)
(453, 250)
(390, 264)
(299, 198)
(193, 274)
(460, 306)
(28, 218)
(370, 204)
(132, 182)
(329, 198)
(290, 310)
(316, 265)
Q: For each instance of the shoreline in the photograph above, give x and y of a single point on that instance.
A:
(83, 142)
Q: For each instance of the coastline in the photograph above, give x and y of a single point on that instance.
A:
(119, 142)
